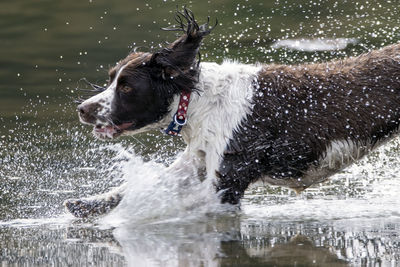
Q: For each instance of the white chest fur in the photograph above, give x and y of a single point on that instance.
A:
(224, 100)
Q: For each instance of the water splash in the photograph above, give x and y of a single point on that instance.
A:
(319, 44)
(61, 220)
(156, 195)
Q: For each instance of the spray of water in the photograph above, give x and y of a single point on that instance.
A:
(155, 195)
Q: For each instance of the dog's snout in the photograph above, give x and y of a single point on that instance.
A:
(88, 111)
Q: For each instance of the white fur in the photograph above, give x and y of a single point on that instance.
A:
(225, 96)
(341, 153)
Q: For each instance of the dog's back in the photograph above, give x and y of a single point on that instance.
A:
(310, 121)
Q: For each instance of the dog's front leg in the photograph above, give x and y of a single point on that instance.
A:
(96, 205)
(234, 176)
(186, 164)
(231, 188)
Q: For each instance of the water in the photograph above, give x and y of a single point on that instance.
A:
(46, 156)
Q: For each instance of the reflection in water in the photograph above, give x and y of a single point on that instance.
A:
(215, 240)
(178, 244)
(320, 243)
(58, 246)
(299, 250)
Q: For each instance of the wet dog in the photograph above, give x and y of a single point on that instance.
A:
(291, 126)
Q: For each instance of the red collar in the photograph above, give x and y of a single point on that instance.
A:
(180, 117)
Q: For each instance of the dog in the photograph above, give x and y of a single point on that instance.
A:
(287, 125)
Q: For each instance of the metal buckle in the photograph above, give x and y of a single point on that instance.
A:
(177, 121)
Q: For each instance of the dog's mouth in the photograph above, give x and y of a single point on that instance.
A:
(103, 131)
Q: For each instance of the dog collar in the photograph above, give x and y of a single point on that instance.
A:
(180, 117)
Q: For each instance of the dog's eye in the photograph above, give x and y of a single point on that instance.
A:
(125, 89)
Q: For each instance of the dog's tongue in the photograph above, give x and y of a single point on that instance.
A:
(107, 131)
(111, 131)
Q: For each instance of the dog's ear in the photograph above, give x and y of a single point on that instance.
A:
(166, 69)
(180, 56)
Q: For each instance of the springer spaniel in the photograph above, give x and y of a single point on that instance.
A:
(290, 126)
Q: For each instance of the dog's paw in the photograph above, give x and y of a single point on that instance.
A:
(84, 208)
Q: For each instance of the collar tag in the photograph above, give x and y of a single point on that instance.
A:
(180, 117)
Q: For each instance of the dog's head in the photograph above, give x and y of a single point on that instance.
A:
(142, 85)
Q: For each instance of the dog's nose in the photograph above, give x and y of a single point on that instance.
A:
(88, 111)
(88, 108)
(81, 109)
